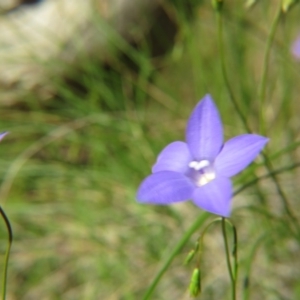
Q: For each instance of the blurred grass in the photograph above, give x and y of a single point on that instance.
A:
(70, 169)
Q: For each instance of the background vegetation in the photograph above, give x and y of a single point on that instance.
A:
(71, 165)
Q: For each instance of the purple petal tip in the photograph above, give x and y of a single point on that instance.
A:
(296, 48)
(238, 153)
(204, 133)
(2, 135)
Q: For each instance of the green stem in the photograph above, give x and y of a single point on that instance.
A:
(268, 175)
(263, 83)
(246, 290)
(10, 239)
(232, 274)
(262, 95)
(200, 239)
(234, 250)
(223, 70)
(198, 223)
(280, 191)
(262, 92)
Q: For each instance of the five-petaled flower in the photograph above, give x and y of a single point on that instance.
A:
(200, 168)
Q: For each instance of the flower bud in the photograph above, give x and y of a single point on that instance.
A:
(250, 3)
(195, 283)
(287, 4)
(189, 257)
(217, 4)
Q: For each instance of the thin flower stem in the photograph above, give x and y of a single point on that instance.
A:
(257, 244)
(197, 224)
(267, 162)
(10, 239)
(235, 242)
(262, 95)
(263, 83)
(234, 250)
(200, 239)
(224, 72)
(270, 174)
(280, 191)
(228, 260)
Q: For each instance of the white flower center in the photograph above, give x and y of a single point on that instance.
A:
(201, 172)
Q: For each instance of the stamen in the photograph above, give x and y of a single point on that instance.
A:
(206, 178)
(193, 164)
(202, 172)
(198, 165)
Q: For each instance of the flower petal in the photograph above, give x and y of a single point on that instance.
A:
(238, 153)
(215, 196)
(296, 48)
(164, 188)
(175, 157)
(2, 135)
(204, 133)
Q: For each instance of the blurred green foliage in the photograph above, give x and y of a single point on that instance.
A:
(70, 167)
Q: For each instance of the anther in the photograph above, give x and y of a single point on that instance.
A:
(198, 165)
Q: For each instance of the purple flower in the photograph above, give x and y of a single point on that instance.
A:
(200, 168)
(296, 48)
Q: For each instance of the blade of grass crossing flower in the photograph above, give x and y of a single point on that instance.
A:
(195, 226)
